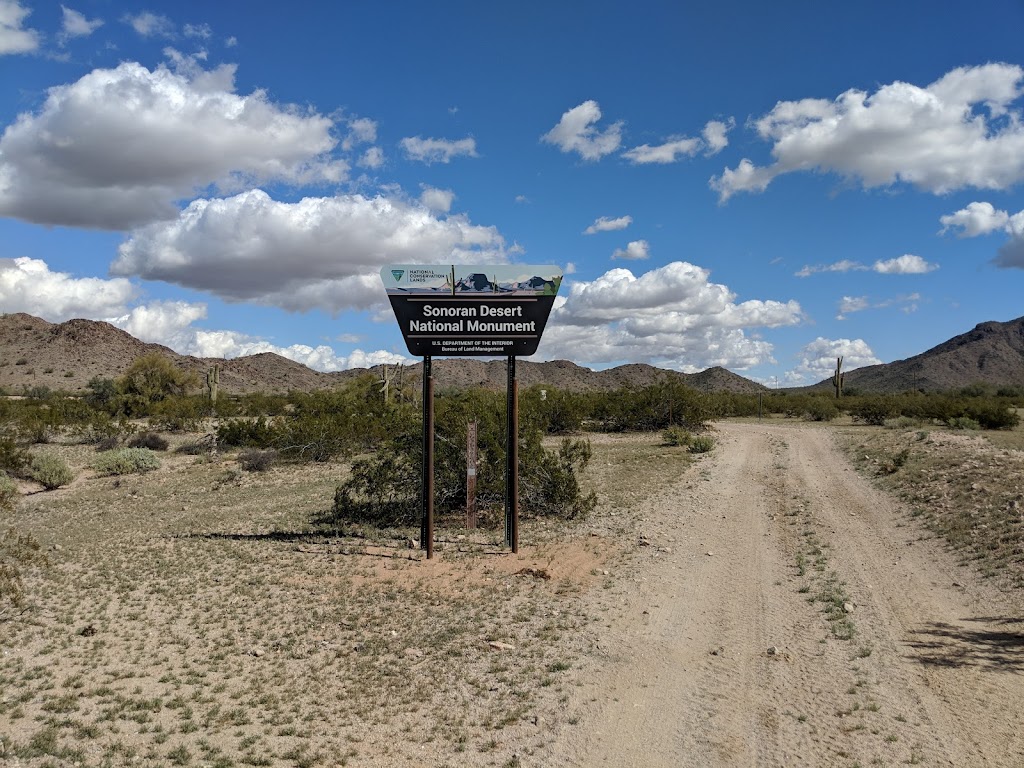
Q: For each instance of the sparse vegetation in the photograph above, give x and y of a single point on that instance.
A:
(126, 461)
(50, 470)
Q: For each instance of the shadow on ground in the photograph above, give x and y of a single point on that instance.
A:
(985, 642)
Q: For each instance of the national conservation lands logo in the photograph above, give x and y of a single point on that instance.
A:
(492, 310)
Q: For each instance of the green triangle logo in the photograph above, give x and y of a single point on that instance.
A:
(397, 274)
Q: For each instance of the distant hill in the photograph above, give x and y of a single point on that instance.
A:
(992, 353)
(65, 356)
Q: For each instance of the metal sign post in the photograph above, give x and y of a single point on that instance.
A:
(496, 310)
(472, 460)
(512, 458)
(427, 518)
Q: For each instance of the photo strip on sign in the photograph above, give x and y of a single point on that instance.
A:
(488, 310)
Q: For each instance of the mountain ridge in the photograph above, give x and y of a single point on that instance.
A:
(65, 356)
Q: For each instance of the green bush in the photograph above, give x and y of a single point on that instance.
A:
(385, 488)
(676, 436)
(126, 461)
(702, 444)
(992, 415)
(247, 433)
(16, 551)
(8, 493)
(875, 409)
(13, 459)
(820, 409)
(50, 470)
(963, 422)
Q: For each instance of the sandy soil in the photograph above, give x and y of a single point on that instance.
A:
(780, 611)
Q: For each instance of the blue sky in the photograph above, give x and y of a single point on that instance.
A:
(758, 186)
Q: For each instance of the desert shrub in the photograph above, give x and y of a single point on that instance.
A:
(550, 484)
(35, 427)
(100, 392)
(16, 552)
(702, 444)
(102, 430)
(820, 409)
(676, 436)
(8, 493)
(874, 409)
(50, 470)
(126, 461)
(12, 457)
(903, 422)
(385, 488)
(149, 380)
(149, 440)
(260, 404)
(647, 409)
(200, 447)
(991, 414)
(179, 413)
(963, 422)
(554, 411)
(256, 460)
(39, 391)
(247, 433)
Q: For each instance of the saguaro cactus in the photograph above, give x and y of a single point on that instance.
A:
(837, 377)
(213, 382)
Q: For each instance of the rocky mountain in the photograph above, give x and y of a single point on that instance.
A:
(991, 353)
(65, 356)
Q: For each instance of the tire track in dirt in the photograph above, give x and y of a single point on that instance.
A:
(944, 639)
(717, 655)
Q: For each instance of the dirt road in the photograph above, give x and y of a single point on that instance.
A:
(782, 612)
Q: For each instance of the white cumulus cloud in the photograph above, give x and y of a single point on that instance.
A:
(171, 324)
(963, 130)
(636, 249)
(604, 224)
(576, 132)
(75, 24)
(818, 359)
(845, 265)
(672, 316)
(87, 157)
(14, 38)
(320, 252)
(907, 264)
(713, 140)
(982, 218)
(28, 285)
(437, 150)
(672, 150)
(439, 200)
(150, 24)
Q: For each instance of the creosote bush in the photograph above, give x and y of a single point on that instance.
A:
(256, 460)
(385, 487)
(149, 440)
(50, 470)
(16, 551)
(8, 493)
(702, 444)
(676, 436)
(126, 461)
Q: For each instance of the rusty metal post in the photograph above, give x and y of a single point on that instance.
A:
(471, 467)
(427, 519)
(512, 459)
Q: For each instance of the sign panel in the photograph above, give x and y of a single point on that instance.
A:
(451, 310)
